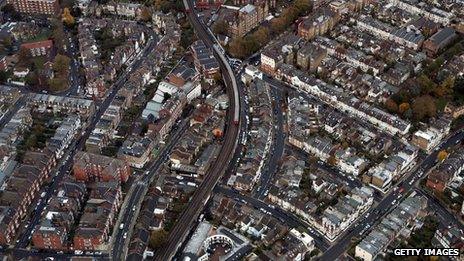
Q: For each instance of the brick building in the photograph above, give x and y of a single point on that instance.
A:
(3, 65)
(204, 60)
(60, 216)
(98, 216)
(40, 48)
(21, 189)
(243, 20)
(441, 176)
(40, 7)
(94, 167)
(317, 23)
(206, 4)
(439, 40)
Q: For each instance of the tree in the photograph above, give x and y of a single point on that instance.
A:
(237, 48)
(9, 9)
(145, 14)
(278, 25)
(58, 35)
(262, 35)
(61, 65)
(220, 27)
(424, 106)
(7, 42)
(426, 84)
(164, 5)
(403, 107)
(442, 155)
(158, 238)
(332, 160)
(67, 18)
(391, 105)
(4, 76)
(32, 79)
(24, 57)
(446, 87)
(57, 84)
(303, 6)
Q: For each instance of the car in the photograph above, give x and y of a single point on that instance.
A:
(125, 235)
(78, 252)
(133, 208)
(121, 226)
(394, 202)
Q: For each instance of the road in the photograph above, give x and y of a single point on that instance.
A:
(283, 216)
(13, 109)
(277, 147)
(128, 216)
(201, 195)
(24, 254)
(444, 216)
(66, 161)
(363, 226)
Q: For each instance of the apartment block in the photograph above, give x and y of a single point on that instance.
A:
(37, 7)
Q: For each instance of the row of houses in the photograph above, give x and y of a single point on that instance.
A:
(383, 175)
(446, 171)
(409, 36)
(399, 223)
(21, 190)
(54, 104)
(204, 60)
(283, 242)
(304, 123)
(352, 105)
(94, 212)
(425, 10)
(334, 219)
(90, 198)
(98, 75)
(105, 129)
(260, 138)
(22, 187)
(136, 150)
(195, 149)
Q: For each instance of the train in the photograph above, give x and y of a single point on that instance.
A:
(236, 117)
